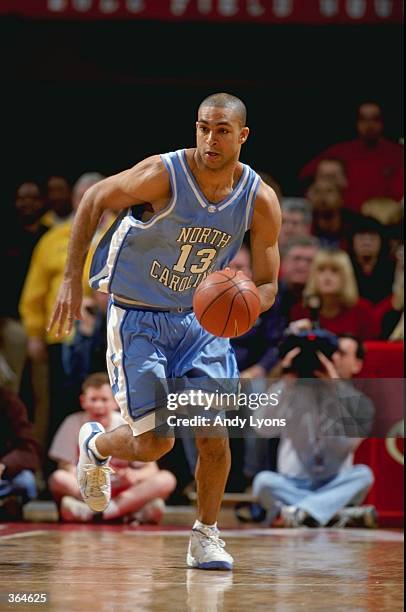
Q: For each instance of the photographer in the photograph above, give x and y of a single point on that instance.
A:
(316, 478)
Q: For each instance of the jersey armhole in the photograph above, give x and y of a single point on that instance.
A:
(167, 161)
(251, 201)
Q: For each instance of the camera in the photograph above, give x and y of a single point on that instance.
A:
(310, 342)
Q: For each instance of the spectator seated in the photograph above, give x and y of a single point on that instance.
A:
(138, 489)
(19, 456)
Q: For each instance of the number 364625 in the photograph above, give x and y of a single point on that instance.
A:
(27, 598)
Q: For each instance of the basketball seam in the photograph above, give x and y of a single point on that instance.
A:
(240, 292)
(250, 291)
(229, 313)
(215, 300)
(221, 282)
(227, 278)
(244, 280)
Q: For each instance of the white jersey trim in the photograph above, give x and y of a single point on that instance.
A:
(116, 371)
(168, 209)
(250, 200)
(239, 190)
(116, 241)
(190, 180)
(200, 198)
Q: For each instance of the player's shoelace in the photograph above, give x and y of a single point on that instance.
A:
(211, 543)
(97, 478)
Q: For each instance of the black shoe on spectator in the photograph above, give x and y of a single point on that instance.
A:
(247, 512)
(11, 508)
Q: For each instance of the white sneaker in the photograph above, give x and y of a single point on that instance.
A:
(75, 510)
(292, 516)
(357, 516)
(206, 550)
(93, 475)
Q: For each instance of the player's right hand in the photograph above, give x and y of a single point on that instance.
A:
(67, 307)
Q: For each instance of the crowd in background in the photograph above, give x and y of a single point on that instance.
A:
(341, 243)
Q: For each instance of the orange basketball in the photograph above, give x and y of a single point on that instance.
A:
(226, 303)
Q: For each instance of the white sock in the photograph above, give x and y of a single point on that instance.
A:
(199, 525)
(111, 511)
(92, 446)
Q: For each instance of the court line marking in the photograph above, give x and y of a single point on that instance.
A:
(25, 534)
(330, 534)
(274, 575)
(308, 533)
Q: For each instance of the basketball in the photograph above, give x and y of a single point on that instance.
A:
(226, 303)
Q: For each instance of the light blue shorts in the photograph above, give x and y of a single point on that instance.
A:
(147, 349)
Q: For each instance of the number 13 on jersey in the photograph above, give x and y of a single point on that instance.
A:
(206, 258)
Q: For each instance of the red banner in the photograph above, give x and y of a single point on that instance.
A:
(259, 11)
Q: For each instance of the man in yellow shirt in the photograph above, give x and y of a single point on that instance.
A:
(39, 293)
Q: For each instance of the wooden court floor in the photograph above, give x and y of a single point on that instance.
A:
(113, 568)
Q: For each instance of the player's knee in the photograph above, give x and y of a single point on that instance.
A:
(57, 480)
(167, 483)
(213, 448)
(149, 447)
(365, 474)
(161, 446)
(261, 481)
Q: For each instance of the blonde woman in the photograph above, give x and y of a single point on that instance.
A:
(390, 312)
(341, 310)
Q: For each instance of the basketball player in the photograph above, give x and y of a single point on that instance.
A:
(203, 199)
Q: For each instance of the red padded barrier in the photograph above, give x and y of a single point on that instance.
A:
(385, 456)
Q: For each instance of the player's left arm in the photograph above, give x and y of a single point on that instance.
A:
(265, 228)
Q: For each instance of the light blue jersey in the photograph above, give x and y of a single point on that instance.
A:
(161, 262)
(152, 269)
